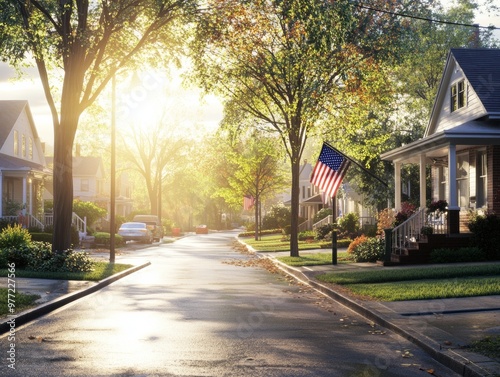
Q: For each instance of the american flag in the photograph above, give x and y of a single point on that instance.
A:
(329, 170)
(248, 202)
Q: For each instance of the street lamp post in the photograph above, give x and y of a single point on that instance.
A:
(113, 173)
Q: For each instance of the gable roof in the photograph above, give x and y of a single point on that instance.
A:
(481, 66)
(84, 166)
(9, 114)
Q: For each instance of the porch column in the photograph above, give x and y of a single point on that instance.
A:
(24, 195)
(30, 190)
(453, 207)
(1, 194)
(423, 182)
(397, 186)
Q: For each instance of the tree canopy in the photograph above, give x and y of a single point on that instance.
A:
(78, 46)
(289, 64)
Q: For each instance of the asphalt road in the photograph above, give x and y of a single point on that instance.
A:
(204, 309)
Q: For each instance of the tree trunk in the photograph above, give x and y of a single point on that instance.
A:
(64, 136)
(257, 218)
(63, 195)
(294, 226)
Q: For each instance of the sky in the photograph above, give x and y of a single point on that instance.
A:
(150, 91)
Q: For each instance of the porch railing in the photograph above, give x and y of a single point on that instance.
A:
(409, 231)
(326, 220)
(306, 225)
(30, 221)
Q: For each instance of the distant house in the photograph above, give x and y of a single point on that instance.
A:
(462, 141)
(311, 201)
(22, 165)
(91, 184)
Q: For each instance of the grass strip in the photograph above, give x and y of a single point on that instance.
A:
(489, 346)
(404, 274)
(429, 289)
(22, 301)
(315, 259)
(101, 271)
(275, 242)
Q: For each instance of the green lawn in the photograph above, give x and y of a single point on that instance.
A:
(315, 259)
(101, 271)
(21, 301)
(274, 242)
(420, 283)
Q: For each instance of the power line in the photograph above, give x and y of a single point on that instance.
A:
(423, 18)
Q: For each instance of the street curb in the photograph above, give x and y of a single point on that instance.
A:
(449, 358)
(31, 314)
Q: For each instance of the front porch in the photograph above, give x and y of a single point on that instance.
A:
(412, 241)
(44, 221)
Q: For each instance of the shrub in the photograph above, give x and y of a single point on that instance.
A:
(88, 210)
(386, 220)
(3, 258)
(278, 217)
(465, 254)
(407, 209)
(306, 235)
(14, 236)
(486, 234)
(348, 225)
(324, 230)
(103, 238)
(321, 214)
(370, 249)
(357, 241)
(42, 237)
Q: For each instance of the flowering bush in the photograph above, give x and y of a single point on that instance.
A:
(437, 205)
(367, 249)
(407, 209)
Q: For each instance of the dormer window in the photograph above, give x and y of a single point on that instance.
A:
(458, 95)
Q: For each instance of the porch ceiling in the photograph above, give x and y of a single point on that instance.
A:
(467, 135)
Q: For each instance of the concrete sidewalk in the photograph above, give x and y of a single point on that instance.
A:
(444, 327)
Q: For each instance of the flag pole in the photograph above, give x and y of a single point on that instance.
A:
(358, 164)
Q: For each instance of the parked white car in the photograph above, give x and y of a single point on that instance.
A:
(135, 231)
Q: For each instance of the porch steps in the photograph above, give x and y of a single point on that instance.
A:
(419, 252)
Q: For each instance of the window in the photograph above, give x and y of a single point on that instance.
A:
(23, 146)
(84, 185)
(16, 142)
(30, 149)
(458, 95)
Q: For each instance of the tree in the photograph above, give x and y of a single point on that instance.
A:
(88, 210)
(154, 154)
(87, 43)
(286, 63)
(399, 97)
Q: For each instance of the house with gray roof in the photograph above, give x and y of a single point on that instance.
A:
(23, 168)
(461, 144)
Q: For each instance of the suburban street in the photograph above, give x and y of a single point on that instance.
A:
(203, 308)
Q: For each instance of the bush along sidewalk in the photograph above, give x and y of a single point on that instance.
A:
(18, 249)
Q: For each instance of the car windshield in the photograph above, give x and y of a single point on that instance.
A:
(133, 225)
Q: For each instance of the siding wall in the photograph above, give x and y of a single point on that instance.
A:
(473, 110)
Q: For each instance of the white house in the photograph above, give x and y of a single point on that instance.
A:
(461, 143)
(22, 165)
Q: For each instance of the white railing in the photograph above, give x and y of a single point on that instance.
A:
(79, 223)
(324, 221)
(306, 225)
(30, 221)
(411, 230)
